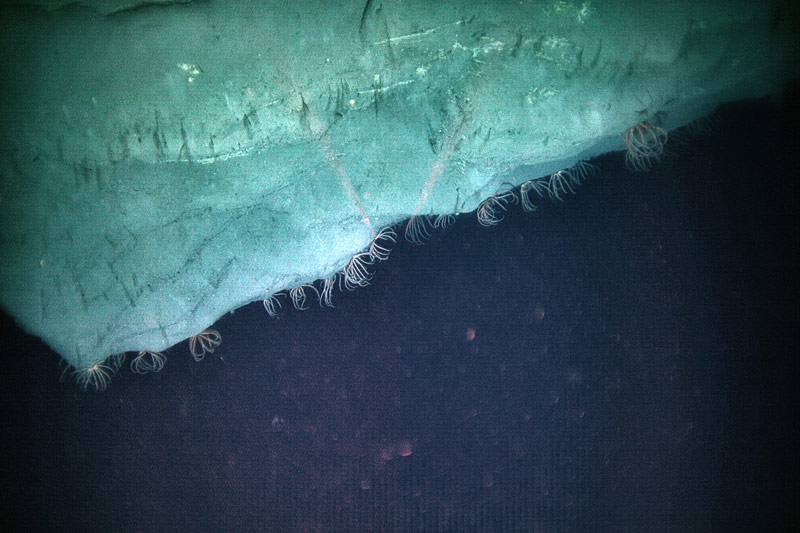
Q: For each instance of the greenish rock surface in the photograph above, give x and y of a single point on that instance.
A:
(166, 163)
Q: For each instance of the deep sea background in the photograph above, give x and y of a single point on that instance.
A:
(634, 367)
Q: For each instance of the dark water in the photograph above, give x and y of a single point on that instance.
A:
(633, 368)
